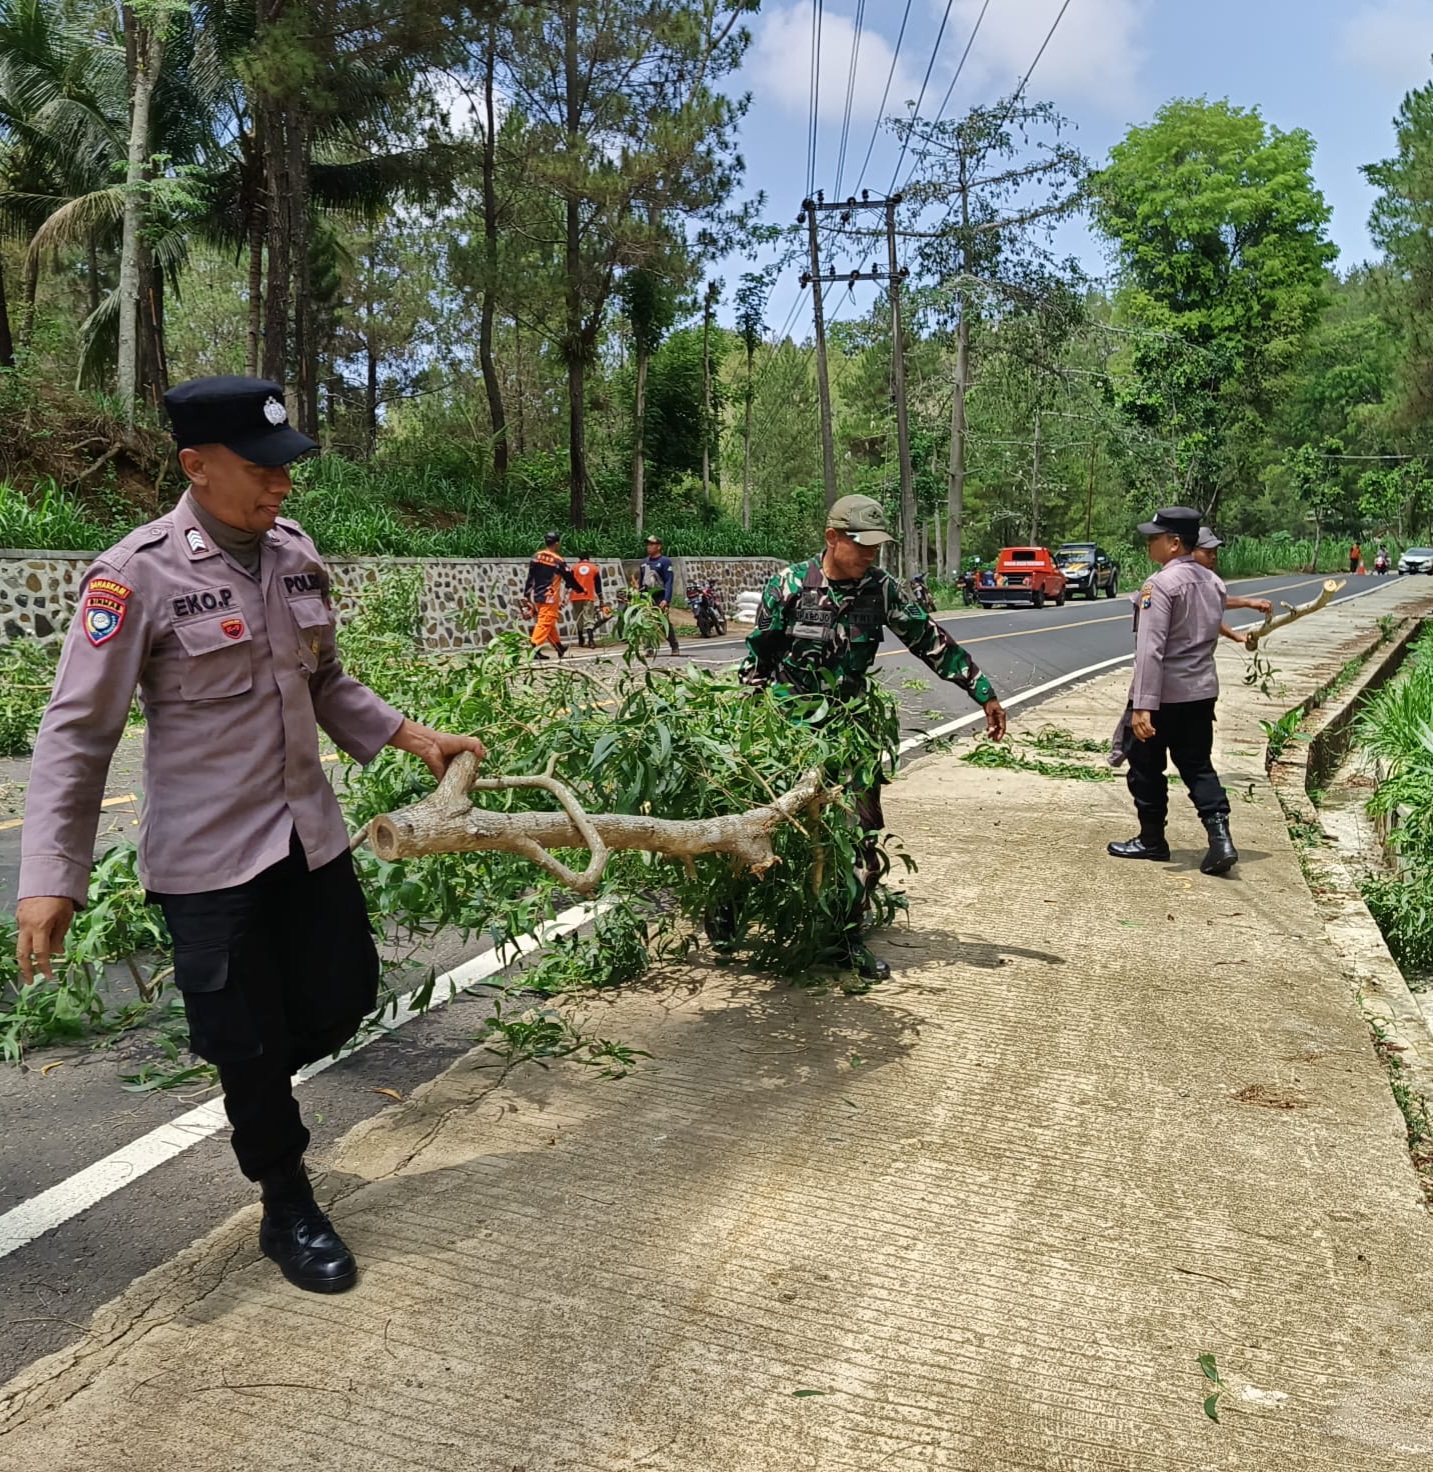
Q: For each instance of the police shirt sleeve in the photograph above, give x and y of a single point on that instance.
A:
(359, 721)
(105, 651)
(769, 640)
(930, 643)
(1156, 603)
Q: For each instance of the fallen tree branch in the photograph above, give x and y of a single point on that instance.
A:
(1292, 612)
(446, 822)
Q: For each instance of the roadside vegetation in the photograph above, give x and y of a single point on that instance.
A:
(1396, 729)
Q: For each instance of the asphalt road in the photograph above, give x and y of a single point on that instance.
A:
(59, 1120)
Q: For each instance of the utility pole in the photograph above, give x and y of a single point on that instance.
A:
(823, 377)
(898, 374)
(955, 495)
(816, 279)
(1035, 485)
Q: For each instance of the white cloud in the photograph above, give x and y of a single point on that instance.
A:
(1392, 39)
(1094, 59)
(780, 66)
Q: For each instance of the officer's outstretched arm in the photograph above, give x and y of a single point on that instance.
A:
(105, 651)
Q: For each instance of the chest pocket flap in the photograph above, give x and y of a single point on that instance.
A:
(218, 657)
(311, 622)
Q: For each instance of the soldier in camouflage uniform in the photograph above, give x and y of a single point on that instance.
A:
(830, 615)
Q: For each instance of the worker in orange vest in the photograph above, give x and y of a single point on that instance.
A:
(587, 600)
(542, 592)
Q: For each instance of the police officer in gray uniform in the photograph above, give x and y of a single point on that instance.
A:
(220, 613)
(1172, 697)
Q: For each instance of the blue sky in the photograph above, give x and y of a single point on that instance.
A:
(1336, 69)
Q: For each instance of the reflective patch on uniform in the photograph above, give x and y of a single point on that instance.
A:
(109, 588)
(204, 600)
(101, 618)
(233, 628)
(195, 538)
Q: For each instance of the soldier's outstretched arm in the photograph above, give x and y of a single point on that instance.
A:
(930, 643)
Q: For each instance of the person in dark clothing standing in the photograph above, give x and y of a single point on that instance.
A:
(1171, 705)
(655, 575)
(220, 613)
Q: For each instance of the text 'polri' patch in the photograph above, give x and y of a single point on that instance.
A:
(304, 582)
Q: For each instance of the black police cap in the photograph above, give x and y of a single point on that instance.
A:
(1179, 520)
(245, 415)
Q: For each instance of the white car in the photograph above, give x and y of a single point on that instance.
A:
(1416, 559)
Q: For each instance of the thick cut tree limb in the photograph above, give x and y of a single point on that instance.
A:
(448, 823)
(1291, 612)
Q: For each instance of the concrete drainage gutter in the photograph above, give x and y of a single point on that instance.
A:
(1305, 766)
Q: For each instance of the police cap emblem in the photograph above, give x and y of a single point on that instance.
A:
(275, 412)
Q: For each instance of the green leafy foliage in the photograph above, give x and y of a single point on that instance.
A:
(27, 671)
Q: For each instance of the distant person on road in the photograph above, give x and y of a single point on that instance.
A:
(1206, 554)
(1170, 715)
(587, 600)
(826, 617)
(546, 574)
(1355, 558)
(1380, 561)
(655, 575)
(220, 613)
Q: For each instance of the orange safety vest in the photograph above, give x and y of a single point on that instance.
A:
(587, 574)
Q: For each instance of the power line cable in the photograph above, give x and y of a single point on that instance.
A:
(881, 110)
(915, 111)
(950, 91)
(850, 92)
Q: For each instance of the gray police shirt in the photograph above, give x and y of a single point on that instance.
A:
(1178, 614)
(235, 676)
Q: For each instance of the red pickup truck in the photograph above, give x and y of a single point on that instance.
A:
(1022, 575)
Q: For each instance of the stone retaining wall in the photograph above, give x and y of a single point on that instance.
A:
(463, 603)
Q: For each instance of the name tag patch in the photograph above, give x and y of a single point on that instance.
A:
(206, 600)
(304, 582)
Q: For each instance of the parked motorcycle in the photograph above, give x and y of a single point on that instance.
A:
(704, 600)
(920, 594)
(967, 588)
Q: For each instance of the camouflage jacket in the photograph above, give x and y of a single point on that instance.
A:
(807, 625)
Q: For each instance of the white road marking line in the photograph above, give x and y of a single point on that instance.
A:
(22, 1224)
(52, 1208)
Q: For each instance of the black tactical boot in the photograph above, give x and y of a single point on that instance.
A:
(868, 965)
(1146, 846)
(300, 1238)
(538, 654)
(1222, 855)
(561, 650)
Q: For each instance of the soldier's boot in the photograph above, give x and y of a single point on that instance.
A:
(1222, 855)
(868, 965)
(297, 1235)
(1149, 845)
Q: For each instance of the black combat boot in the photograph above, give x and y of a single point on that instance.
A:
(1222, 855)
(561, 650)
(300, 1238)
(868, 965)
(1149, 845)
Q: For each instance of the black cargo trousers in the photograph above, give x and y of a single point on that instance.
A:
(1183, 734)
(275, 974)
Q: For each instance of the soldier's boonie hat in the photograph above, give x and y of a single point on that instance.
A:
(862, 519)
(245, 415)
(1179, 520)
(1208, 542)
